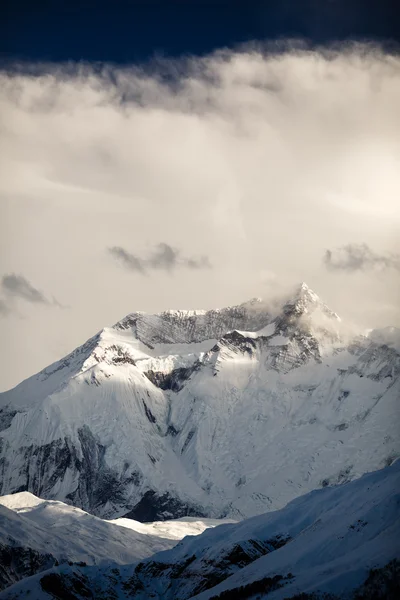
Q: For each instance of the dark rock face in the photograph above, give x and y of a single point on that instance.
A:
(187, 441)
(148, 412)
(6, 417)
(195, 326)
(241, 555)
(17, 562)
(300, 348)
(97, 483)
(153, 507)
(237, 342)
(261, 586)
(39, 479)
(370, 355)
(194, 574)
(172, 431)
(175, 380)
(66, 587)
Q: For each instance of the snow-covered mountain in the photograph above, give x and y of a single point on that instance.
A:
(326, 541)
(37, 534)
(228, 412)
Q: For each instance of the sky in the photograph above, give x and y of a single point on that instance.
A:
(160, 157)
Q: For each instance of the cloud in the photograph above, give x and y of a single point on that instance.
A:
(4, 309)
(17, 286)
(128, 260)
(259, 158)
(163, 258)
(359, 257)
(198, 263)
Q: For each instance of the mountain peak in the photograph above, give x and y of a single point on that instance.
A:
(304, 291)
(306, 305)
(302, 300)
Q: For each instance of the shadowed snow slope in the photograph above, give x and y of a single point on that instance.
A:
(229, 412)
(324, 541)
(35, 533)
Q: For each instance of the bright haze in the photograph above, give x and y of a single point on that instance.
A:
(195, 182)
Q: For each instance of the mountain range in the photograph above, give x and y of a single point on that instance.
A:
(216, 454)
(220, 413)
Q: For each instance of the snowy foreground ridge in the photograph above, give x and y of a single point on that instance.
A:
(324, 541)
(225, 413)
(36, 534)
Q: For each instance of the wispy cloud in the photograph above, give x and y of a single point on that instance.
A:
(128, 260)
(359, 257)
(17, 286)
(163, 258)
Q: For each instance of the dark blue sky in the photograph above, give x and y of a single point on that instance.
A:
(125, 31)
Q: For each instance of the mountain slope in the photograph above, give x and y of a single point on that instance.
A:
(36, 534)
(222, 413)
(325, 541)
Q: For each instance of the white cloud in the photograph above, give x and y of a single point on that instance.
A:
(260, 162)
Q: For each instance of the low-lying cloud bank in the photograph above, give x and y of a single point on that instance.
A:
(259, 160)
